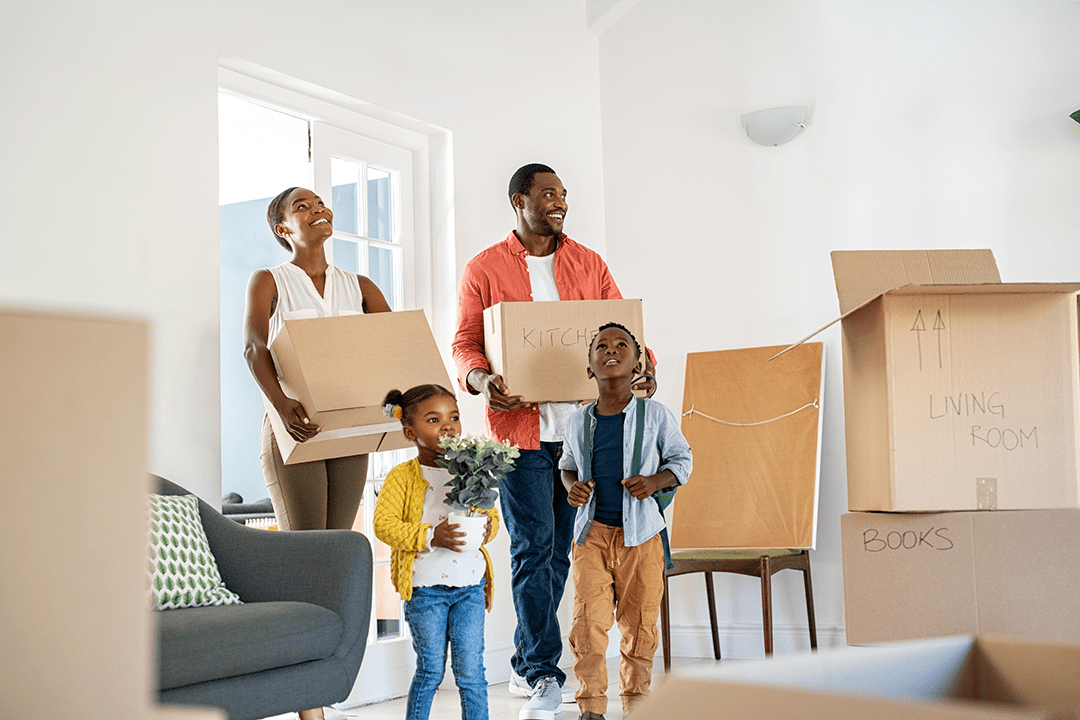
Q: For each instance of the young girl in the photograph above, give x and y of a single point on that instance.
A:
(445, 589)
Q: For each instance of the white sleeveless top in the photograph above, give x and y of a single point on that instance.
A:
(298, 298)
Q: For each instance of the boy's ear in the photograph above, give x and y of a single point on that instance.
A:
(589, 372)
(637, 367)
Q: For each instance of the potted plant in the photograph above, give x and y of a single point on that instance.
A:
(476, 466)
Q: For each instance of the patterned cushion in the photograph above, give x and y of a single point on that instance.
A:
(183, 572)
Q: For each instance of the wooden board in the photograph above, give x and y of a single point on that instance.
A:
(754, 427)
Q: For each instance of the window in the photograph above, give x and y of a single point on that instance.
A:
(372, 176)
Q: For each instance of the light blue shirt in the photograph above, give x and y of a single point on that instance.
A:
(663, 448)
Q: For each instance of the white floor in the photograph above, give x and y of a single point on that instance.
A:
(504, 706)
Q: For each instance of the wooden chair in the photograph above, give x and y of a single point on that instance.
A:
(756, 563)
(754, 426)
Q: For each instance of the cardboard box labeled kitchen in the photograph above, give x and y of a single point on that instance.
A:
(955, 678)
(340, 369)
(960, 392)
(917, 575)
(541, 349)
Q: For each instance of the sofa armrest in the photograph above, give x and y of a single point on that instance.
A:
(330, 568)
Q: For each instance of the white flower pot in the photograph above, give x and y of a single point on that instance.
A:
(473, 527)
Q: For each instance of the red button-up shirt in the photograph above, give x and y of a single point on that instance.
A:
(500, 274)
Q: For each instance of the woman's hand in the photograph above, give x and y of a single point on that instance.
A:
(446, 536)
(487, 531)
(296, 420)
(580, 493)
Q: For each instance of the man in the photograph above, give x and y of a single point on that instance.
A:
(536, 262)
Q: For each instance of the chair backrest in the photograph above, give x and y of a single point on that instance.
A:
(754, 426)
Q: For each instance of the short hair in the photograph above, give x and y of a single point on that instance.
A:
(275, 213)
(412, 397)
(522, 180)
(607, 326)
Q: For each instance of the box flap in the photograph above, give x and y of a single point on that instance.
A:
(985, 289)
(862, 275)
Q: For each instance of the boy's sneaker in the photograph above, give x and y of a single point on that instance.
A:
(520, 686)
(546, 700)
(590, 716)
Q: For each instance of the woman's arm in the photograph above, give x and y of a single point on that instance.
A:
(374, 302)
(261, 301)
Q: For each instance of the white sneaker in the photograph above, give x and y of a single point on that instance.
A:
(332, 713)
(518, 685)
(546, 701)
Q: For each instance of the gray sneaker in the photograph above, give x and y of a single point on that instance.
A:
(546, 700)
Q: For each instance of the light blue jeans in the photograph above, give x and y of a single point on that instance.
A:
(438, 616)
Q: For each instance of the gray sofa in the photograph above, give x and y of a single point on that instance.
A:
(297, 640)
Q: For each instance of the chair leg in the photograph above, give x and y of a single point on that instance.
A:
(710, 594)
(766, 603)
(665, 626)
(810, 603)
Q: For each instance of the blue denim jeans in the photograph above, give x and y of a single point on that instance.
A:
(540, 522)
(438, 616)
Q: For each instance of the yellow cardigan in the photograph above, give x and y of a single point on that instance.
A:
(397, 523)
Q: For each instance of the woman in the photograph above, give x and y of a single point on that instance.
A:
(324, 494)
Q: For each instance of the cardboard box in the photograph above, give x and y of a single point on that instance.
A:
(957, 678)
(960, 392)
(541, 349)
(915, 575)
(340, 369)
(755, 429)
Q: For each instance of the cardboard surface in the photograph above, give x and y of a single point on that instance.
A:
(76, 632)
(980, 678)
(755, 430)
(917, 575)
(340, 369)
(541, 349)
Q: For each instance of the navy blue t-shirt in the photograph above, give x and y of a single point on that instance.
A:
(607, 468)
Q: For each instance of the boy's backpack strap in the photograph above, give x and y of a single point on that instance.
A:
(586, 448)
(663, 497)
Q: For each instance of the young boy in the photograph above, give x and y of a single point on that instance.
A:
(618, 554)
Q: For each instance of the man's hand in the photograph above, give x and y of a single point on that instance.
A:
(580, 493)
(495, 392)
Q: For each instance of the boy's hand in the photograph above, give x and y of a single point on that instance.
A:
(487, 531)
(642, 487)
(580, 493)
(446, 536)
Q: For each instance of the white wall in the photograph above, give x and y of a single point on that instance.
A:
(108, 159)
(932, 125)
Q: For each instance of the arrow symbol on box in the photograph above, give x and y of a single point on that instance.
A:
(939, 325)
(919, 327)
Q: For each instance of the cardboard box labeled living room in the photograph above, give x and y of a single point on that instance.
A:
(340, 369)
(960, 392)
(541, 349)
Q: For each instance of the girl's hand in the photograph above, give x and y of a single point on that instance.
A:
(580, 493)
(446, 536)
(487, 531)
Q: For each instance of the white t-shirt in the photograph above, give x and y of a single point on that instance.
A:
(436, 565)
(553, 415)
(297, 297)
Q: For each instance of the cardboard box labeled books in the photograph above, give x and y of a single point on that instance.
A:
(917, 575)
(954, 678)
(960, 392)
(340, 369)
(541, 349)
